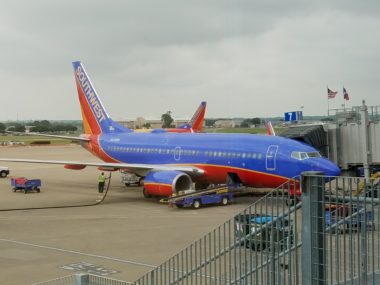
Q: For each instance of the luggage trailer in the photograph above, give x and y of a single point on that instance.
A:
(218, 195)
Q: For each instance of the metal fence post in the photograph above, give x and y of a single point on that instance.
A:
(81, 279)
(313, 249)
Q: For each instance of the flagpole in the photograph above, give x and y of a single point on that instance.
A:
(344, 101)
(328, 103)
(328, 107)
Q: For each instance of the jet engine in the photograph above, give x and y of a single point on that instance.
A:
(165, 183)
(74, 166)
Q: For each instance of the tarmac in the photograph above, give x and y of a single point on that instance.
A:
(122, 238)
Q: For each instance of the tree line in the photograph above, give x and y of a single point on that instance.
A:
(246, 123)
(43, 126)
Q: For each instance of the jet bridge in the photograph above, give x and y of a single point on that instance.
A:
(351, 141)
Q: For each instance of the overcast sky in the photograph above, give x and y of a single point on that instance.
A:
(245, 58)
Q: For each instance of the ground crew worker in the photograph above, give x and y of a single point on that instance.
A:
(102, 181)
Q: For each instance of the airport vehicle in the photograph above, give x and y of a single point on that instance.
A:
(172, 162)
(348, 216)
(26, 185)
(128, 178)
(254, 231)
(191, 198)
(4, 171)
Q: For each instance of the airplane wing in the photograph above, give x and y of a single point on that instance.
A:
(140, 169)
(52, 136)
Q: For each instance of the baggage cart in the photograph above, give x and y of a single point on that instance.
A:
(26, 185)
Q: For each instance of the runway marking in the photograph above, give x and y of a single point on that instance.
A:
(80, 253)
(89, 268)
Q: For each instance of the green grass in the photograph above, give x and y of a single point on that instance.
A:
(57, 141)
(242, 130)
(237, 130)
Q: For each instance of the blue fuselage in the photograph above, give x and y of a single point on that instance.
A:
(259, 160)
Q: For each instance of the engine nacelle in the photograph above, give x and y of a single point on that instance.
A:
(74, 166)
(165, 183)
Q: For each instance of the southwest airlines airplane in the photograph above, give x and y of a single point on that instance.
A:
(170, 162)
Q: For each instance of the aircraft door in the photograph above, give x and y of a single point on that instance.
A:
(271, 157)
(177, 153)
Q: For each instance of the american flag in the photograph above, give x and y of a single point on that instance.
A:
(331, 94)
(345, 94)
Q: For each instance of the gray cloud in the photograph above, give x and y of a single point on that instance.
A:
(246, 58)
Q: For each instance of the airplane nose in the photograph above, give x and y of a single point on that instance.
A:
(326, 166)
(330, 169)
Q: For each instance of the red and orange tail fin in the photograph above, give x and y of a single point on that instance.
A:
(95, 117)
(270, 130)
(197, 120)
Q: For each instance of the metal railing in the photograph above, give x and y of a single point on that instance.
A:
(257, 246)
(331, 237)
(354, 113)
(66, 280)
(349, 231)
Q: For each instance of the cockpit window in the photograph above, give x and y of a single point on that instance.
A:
(303, 155)
(296, 155)
(314, 154)
(299, 155)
